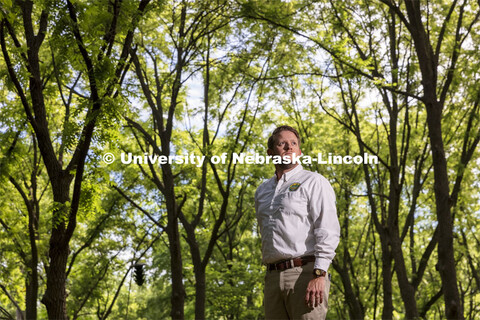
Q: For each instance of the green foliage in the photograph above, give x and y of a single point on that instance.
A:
(331, 69)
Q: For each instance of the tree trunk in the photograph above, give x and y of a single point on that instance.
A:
(200, 293)
(31, 295)
(407, 291)
(387, 312)
(176, 263)
(55, 294)
(355, 309)
(55, 297)
(446, 260)
(428, 63)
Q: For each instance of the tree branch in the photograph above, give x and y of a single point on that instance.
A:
(139, 208)
(10, 297)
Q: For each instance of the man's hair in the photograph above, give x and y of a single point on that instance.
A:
(271, 140)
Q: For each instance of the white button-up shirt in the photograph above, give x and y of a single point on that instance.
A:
(297, 217)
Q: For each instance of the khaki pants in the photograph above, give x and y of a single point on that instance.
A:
(285, 294)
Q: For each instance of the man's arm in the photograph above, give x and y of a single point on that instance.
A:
(323, 211)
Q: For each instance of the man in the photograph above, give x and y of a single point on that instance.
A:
(300, 232)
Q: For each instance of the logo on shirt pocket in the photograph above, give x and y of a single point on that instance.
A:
(294, 186)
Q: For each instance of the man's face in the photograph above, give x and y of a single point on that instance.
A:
(285, 144)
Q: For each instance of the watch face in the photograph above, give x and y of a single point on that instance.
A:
(320, 272)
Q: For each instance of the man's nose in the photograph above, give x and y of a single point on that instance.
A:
(287, 146)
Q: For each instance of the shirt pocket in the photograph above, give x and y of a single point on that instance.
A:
(295, 203)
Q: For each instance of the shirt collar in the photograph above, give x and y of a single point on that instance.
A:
(287, 175)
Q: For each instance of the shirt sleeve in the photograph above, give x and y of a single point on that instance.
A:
(323, 211)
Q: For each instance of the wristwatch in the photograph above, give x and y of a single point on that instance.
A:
(319, 273)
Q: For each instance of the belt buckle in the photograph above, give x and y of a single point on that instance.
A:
(292, 263)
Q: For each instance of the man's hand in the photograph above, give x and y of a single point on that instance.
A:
(315, 292)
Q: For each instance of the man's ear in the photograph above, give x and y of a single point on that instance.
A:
(269, 152)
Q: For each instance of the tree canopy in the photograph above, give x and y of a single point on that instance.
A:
(121, 124)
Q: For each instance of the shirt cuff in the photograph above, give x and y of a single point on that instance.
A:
(321, 263)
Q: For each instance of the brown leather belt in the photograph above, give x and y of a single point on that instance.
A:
(287, 264)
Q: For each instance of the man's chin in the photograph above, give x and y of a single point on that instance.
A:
(286, 166)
